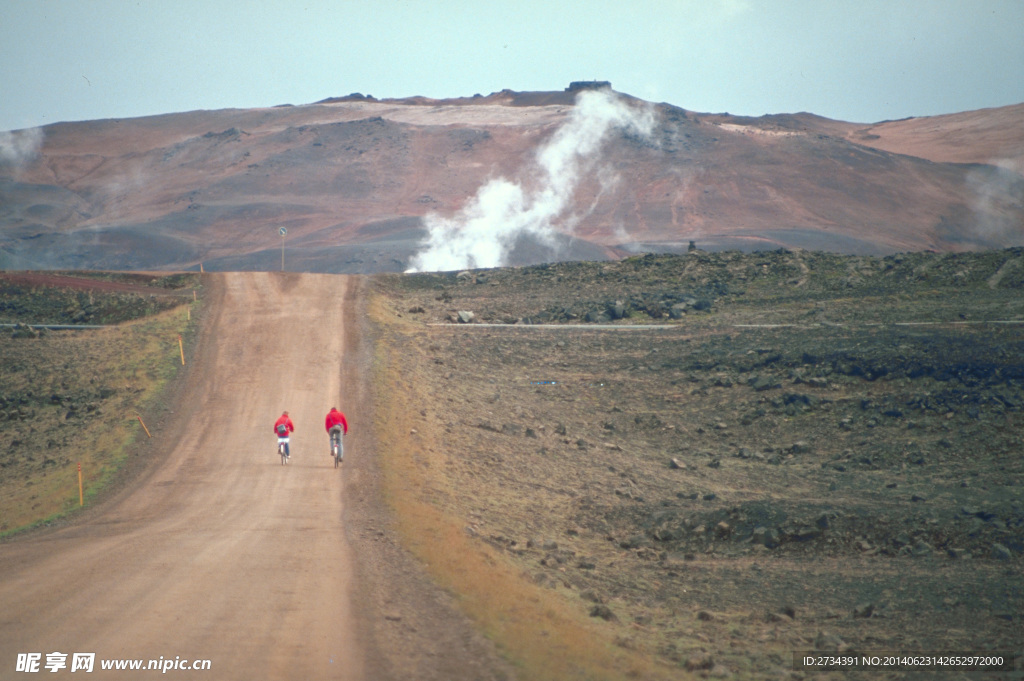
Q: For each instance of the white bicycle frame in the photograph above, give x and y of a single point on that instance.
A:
(341, 443)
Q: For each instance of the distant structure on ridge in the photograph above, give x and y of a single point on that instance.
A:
(578, 85)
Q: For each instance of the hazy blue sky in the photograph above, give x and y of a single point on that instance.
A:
(856, 60)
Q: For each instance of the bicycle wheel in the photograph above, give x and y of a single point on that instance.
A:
(284, 458)
(337, 459)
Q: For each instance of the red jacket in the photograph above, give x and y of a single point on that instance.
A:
(287, 424)
(334, 417)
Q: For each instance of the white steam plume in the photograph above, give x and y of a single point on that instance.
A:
(998, 196)
(486, 229)
(19, 147)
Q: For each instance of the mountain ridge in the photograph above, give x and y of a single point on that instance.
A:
(352, 179)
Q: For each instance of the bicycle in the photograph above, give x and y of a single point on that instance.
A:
(337, 450)
(282, 449)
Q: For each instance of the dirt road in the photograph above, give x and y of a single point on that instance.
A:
(219, 552)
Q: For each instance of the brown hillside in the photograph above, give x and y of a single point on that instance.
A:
(985, 136)
(351, 177)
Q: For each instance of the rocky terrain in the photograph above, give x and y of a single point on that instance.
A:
(715, 460)
(354, 179)
(726, 458)
(29, 298)
(68, 395)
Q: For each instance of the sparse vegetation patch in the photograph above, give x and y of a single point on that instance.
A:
(70, 397)
(824, 457)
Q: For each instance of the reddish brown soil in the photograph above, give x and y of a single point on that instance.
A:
(352, 178)
(984, 136)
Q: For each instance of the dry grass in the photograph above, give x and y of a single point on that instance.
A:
(87, 389)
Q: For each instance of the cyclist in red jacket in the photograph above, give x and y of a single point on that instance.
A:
(336, 426)
(283, 428)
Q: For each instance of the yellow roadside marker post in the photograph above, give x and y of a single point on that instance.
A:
(182, 349)
(143, 426)
(81, 497)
